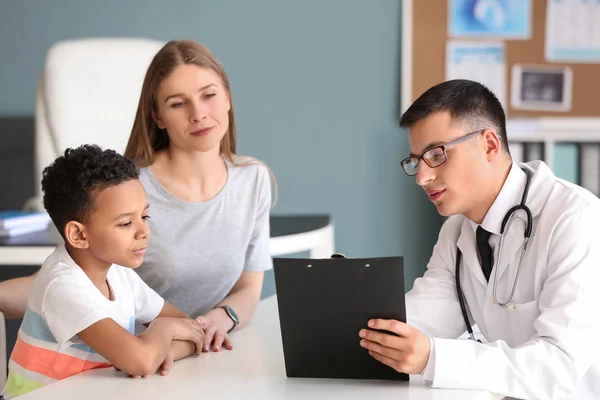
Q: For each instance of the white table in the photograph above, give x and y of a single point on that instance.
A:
(253, 369)
(289, 234)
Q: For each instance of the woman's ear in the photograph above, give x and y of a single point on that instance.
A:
(228, 100)
(157, 120)
(76, 235)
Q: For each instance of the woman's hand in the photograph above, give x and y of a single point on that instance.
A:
(216, 324)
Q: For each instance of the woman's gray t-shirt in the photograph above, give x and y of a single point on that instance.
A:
(197, 251)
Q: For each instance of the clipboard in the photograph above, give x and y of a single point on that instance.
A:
(323, 303)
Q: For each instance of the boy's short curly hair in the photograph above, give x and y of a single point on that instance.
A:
(71, 183)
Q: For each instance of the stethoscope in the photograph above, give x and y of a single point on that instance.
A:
(527, 234)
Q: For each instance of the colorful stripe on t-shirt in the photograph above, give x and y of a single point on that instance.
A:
(38, 360)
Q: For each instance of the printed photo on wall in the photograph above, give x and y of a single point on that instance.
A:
(538, 87)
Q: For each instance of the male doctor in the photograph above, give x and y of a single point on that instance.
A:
(542, 341)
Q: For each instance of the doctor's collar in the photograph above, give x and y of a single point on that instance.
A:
(509, 195)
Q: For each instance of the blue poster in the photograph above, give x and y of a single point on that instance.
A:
(490, 18)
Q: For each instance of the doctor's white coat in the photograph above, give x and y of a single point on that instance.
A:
(548, 347)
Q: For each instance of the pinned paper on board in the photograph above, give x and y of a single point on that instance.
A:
(573, 31)
(483, 62)
(540, 87)
(490, 18)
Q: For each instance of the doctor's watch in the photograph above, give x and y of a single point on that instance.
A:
(231, 314)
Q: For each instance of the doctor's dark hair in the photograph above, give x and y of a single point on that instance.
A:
(71, 183)
(470, 104)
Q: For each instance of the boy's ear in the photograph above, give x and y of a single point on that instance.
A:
(76, 235)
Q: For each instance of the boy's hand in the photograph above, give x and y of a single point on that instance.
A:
(216, 324)
(191, 330)
(179, 349)
(184, 329)
(165, 367)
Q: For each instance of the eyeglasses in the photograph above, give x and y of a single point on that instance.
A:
(435, 156)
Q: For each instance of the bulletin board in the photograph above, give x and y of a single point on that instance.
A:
(425, 35)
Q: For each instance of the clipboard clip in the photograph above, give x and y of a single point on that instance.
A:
(334, 255)
(340, 255)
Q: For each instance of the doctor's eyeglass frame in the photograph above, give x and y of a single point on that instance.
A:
(435, 156)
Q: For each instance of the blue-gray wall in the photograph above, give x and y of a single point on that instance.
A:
(315, 86)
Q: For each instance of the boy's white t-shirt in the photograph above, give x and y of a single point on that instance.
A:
(63, 302)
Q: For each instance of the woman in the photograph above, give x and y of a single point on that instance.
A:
(209, 207)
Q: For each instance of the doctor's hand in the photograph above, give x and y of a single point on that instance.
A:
(407, 353)
(216, 324)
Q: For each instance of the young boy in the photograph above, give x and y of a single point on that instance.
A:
(86, 297)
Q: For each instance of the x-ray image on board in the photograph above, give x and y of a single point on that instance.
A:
(541, 88)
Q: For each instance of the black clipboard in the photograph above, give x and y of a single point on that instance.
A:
(323, 303)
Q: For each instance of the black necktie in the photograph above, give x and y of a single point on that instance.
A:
(485, 251)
